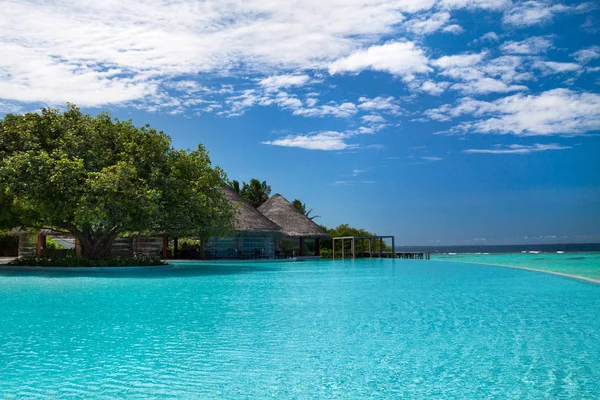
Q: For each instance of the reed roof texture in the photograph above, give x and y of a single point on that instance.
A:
(249, 220)
(293, 223)
(49, 232)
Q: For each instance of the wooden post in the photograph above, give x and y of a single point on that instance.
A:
(77, 247)
(393, 247)
(175, 247)
(353, 248)
(317, 247)
(342, 248)
(41, 244)
(165, 246)
(333, 248)
(301, 254)
(380, 247)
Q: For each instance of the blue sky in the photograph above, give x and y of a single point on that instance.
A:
(438, 121)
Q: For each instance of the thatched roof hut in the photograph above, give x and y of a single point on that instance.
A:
(293, 223)
(248, 220)
(48, 232)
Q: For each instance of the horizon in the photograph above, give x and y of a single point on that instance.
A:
(443, 123)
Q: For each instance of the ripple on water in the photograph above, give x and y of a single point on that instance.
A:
(373, 328)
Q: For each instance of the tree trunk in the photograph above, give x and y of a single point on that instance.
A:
(95, 244)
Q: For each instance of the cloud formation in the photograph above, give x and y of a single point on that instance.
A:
(404, 59)
(555, 112)
(517, 149)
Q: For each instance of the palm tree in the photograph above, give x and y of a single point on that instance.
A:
(256, 192)
(302, 208)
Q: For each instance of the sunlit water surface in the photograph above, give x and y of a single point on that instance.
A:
(380, 329)
(581, 264)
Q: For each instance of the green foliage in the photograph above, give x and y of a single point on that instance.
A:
(346, 230)
(51, 244)
(302, 208)
(255, 191)
(235, 185)
(97, 177)
(71, 260)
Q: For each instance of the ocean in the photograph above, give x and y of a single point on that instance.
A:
(573, 259)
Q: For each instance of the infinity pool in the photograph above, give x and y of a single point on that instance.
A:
(370, 328)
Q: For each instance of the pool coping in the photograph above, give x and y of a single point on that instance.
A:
(578, 277)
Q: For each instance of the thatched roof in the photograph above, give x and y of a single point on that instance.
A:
(22, 231)
(293, 223)
(248, 220)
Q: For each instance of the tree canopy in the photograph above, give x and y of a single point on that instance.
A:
(97, 177)
(255, 191)
(302, 208)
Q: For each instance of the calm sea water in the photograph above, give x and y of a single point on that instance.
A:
(343, 329)
(582, 264)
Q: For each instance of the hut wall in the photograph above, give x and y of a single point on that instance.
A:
(27, 245)
(123, 247)
(241, 247)
(151, 246)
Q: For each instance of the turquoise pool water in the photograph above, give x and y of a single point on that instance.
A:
(370, 328)
(582, 264)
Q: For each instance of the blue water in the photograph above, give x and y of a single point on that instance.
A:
(370, 328)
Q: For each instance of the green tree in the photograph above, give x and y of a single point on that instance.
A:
(256, 192)
(98, 177)
(235, 185)
(302, 208)
(347, 230)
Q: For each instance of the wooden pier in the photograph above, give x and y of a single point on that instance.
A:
(373, 251)
(414, 256)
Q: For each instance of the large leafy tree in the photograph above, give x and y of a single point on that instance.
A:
(98, 177)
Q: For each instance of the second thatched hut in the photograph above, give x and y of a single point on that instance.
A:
(293, 223)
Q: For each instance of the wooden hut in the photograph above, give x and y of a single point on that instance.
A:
(254, 235)
(293, 223)
(33, 241)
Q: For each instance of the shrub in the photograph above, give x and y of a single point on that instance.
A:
(71, 260)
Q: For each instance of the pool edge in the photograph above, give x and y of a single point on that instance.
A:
(578, 277)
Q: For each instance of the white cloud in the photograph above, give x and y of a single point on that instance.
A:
(586, 55)
(382, 104)
(486, 85)
(474, 4)
(372, 118)
(459, 60)
(455, 29)
(357, 171)
(532, 13)
(474, 76)
(431, 159)
(9, 108)
(274, 83)
(490, 37)
(517, 149)
(404, 59)
(554, 112)
(434, 88)
(552, 67)
(352, 183)
(110, 52)
(327, 141)
(533, 45)
(343, 110)
(428, 24)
